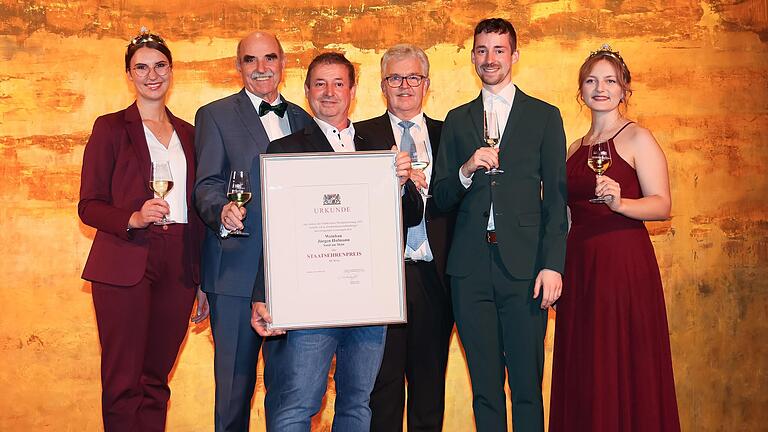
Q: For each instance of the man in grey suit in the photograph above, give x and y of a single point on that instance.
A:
(230, 134)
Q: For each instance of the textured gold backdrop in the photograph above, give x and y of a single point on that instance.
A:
(701, 85)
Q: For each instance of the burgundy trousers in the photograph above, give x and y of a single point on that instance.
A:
(141, 328)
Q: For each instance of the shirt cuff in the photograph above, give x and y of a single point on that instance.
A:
(223, 232)
(465, 181)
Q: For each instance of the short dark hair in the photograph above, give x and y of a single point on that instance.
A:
(497, 25)
(330, 58)
(146, 40)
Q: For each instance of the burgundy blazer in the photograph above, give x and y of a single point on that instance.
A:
(115, 183)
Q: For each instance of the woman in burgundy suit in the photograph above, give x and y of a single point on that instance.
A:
(612, 367)
(144, 275)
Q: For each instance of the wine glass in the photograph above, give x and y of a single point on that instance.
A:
(161, 183)
(491, 136)
(239, 192)
(420, 161)
(599, 160)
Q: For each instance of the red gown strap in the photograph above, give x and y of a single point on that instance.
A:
(619, 131)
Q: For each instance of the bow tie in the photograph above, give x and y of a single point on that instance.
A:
(279, 109)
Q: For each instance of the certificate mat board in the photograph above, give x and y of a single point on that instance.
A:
(333, 239)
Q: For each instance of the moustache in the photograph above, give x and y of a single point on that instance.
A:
(256, 75)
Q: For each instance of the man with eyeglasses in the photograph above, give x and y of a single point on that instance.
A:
(416, 351)
(230, 135)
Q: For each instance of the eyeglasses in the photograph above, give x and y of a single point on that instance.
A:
(161, 68)
(397, 80)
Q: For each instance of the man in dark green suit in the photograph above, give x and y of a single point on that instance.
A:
(508, 249)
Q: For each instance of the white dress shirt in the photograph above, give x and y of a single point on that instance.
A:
(420, 136)
(341, 140)
(174, 155)
(501, 104)
(275, 126)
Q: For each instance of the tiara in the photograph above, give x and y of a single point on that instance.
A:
(145, 36)
(605, 50)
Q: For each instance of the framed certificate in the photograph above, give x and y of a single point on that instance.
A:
(333, 239)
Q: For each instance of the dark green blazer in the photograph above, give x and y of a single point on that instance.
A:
(529, 198)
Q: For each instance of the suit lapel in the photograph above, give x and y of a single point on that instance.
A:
(378, 132)
(476, 116)
(361, 143)
(293, 114)
(135, 130)
(434, 134)
(384, 130)
(316, 139)
(251, 121)
(188, 145)
(518, 107)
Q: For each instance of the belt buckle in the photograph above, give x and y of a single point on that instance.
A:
(490, 237)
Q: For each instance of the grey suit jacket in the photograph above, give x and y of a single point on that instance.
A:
(229, 136)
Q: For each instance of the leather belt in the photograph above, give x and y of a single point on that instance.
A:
(420, 262)
(490, 237)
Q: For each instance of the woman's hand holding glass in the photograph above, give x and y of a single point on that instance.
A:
(599, 160)
(610, 190)
(152, 211)
(161, 184)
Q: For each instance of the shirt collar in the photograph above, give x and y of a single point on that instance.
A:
(417, 120)
(506, 95)
(328, 129)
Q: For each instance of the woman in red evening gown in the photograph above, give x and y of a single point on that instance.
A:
(612, 364)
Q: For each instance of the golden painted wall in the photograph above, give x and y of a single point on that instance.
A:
(701, 85)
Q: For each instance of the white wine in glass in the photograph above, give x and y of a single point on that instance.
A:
(599, 160)
(239, 198)
(239, 192)
(491, 136)
(420, 161)
(161, 184)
